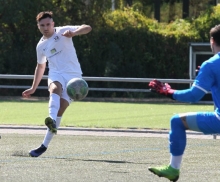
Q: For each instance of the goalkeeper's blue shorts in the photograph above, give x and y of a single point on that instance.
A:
(206, 122)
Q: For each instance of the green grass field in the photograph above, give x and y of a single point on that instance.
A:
(98, 114)
(103, 159)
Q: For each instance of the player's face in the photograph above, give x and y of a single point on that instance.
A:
(46, 27)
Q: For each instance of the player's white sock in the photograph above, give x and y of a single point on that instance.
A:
(54, 105)
(175, 161)
(58, 121)
(49, 135)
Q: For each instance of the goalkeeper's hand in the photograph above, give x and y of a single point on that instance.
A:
(161, 88)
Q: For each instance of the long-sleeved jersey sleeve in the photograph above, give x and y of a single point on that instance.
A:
(202, 84)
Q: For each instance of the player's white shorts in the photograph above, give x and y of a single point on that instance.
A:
(63, 78)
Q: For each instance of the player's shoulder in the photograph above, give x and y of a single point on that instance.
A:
(214, 59)
(40, 43)
(212, 63)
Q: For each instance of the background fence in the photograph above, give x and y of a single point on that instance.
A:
(99, 79)
(103, 79)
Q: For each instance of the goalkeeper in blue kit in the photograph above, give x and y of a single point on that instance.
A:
(208, 79)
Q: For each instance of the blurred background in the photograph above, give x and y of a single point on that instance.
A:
(130, 39)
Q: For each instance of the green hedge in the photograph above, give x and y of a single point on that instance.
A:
(123, 43)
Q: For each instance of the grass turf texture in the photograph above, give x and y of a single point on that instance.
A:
(95, 159)
(98, 114)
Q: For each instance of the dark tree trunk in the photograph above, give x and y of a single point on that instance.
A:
(185, 9)
(157, 10)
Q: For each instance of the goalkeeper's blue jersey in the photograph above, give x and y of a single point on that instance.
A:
(207, 80)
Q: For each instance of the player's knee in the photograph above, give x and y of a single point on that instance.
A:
(176, 121)
(55, 87)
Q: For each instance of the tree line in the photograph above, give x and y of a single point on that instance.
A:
(126, 42)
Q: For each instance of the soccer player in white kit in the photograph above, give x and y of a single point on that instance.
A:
(56, 47)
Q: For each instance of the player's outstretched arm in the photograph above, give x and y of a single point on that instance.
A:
(83, 29)
(161, 88)
(193, 94)
(39, 72)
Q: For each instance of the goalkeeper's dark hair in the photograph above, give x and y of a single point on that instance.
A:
(215, 34)
(44, 14)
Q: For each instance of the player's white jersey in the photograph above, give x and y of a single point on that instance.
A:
(60, 52)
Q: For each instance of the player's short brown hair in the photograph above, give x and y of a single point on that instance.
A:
(44, 14)
(215, 34)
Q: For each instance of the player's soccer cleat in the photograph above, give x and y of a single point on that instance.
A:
(166, 172)
(51, 124)
(38, 151)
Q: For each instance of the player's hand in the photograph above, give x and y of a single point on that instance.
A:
(27, 93)
(69, 34)
(161, 88)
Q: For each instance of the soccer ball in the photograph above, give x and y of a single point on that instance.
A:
(77, 89)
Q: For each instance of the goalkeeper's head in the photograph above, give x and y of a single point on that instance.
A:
(215, 39)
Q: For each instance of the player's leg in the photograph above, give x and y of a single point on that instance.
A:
(64, 103)
(206, 122)
(53, 113)
(177, 138)
(55, 89)
(49, 135)
(55, 85)
(63, 106)
(65, 100)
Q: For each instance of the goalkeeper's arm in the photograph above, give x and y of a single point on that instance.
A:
(193, 94)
